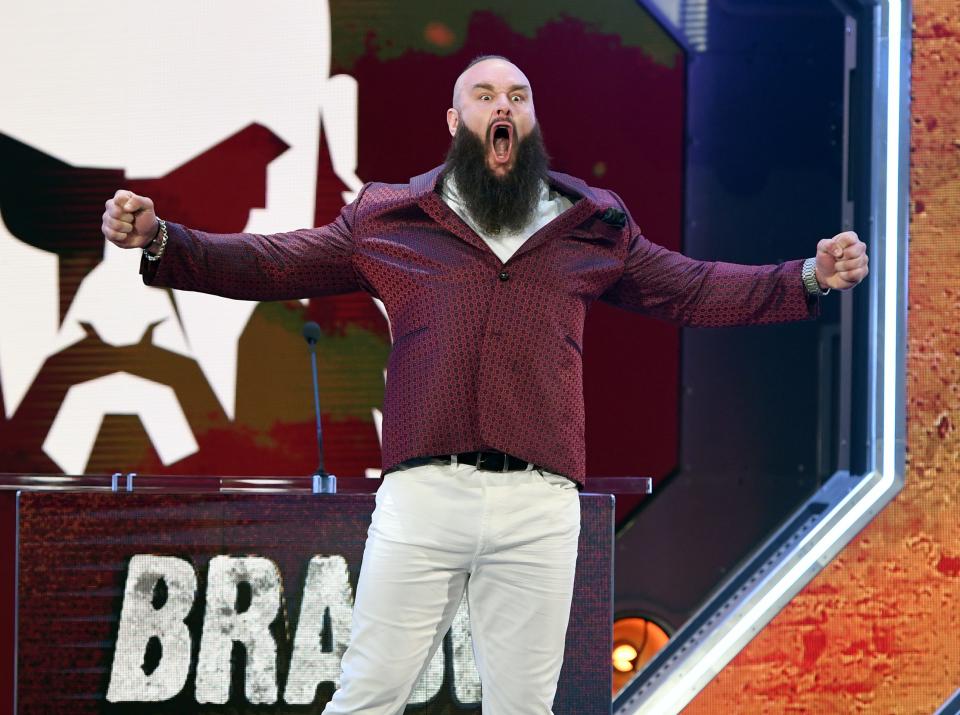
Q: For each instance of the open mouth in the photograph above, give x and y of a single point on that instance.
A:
(501, 140)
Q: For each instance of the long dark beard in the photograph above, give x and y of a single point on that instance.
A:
(498, 204)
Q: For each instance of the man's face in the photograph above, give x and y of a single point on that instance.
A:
(493, 100)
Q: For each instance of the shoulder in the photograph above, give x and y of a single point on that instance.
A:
(379, 196)
(578, 188)
(609, 207)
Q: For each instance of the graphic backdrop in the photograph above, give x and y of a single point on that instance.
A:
(239, 117)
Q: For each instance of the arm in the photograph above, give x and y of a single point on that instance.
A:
(673, 287)
(670, 286)
(246, 266)
(681, 290)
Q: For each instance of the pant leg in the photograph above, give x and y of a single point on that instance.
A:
(519, 594)
(419, 546)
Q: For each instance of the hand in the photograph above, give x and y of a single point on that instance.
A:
(841, 261)
(129, 220)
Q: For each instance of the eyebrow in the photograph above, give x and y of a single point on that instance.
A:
(514, 88)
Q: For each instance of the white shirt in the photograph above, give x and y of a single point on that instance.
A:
(550, 205)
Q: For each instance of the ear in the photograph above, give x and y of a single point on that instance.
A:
(453, 120)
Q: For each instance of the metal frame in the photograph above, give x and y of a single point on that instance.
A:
(827, 522)
(676, 32)
(951, 705)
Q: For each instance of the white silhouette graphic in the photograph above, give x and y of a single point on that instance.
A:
(74, 431)
(146, 87)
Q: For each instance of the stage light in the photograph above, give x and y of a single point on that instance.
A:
(635, 641)
(624, 658)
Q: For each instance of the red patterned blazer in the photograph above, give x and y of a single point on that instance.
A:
(486, 355)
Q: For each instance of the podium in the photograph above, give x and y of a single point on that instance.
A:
(123, 581)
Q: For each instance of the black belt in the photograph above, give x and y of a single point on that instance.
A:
(487, 461)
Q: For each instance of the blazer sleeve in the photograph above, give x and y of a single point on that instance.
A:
(685, 291)
(249, 266)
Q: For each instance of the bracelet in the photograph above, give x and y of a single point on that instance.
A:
(809, 276)
(152, 240)
(162, 234)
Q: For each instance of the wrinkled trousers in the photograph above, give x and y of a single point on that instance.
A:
(509, 540)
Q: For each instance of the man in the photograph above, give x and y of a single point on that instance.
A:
(486, 266)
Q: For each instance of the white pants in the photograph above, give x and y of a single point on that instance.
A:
(509, 539)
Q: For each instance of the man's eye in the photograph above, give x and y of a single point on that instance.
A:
(485, 97)
(517, 98)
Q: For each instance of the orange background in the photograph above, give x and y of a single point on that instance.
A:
(878, 631)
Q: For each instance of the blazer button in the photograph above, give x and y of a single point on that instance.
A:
(504, 276)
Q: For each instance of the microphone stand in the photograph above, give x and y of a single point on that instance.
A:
(323, 482)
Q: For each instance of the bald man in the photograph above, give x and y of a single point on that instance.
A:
(486, 266)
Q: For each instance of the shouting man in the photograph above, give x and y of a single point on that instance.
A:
(486, 266)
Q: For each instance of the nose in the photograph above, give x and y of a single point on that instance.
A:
(502, 105)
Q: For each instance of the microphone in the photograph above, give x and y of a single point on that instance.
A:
(323, 483)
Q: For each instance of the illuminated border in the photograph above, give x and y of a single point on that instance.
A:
(849, 503)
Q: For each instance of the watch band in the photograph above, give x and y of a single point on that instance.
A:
(809, 276)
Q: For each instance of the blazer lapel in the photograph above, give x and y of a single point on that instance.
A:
(588, 218)
(585, 205)
(423, 189)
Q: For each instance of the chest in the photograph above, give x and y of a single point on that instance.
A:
(426, 273)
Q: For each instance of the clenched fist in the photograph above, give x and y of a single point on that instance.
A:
(841, 261)
(129, 220)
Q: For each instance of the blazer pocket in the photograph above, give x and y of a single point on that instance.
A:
(594, 229)
(410, 334)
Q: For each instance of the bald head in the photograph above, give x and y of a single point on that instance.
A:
(482, 67)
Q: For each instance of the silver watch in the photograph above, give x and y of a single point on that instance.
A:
(809, 277)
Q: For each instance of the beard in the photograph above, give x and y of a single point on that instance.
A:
(498, 204)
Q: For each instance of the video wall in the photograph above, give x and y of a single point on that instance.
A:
(240, 117)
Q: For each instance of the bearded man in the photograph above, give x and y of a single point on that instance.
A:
(486, 266)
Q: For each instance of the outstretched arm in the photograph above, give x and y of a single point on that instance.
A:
(681, 290)
(673, 287)
(297, 264)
